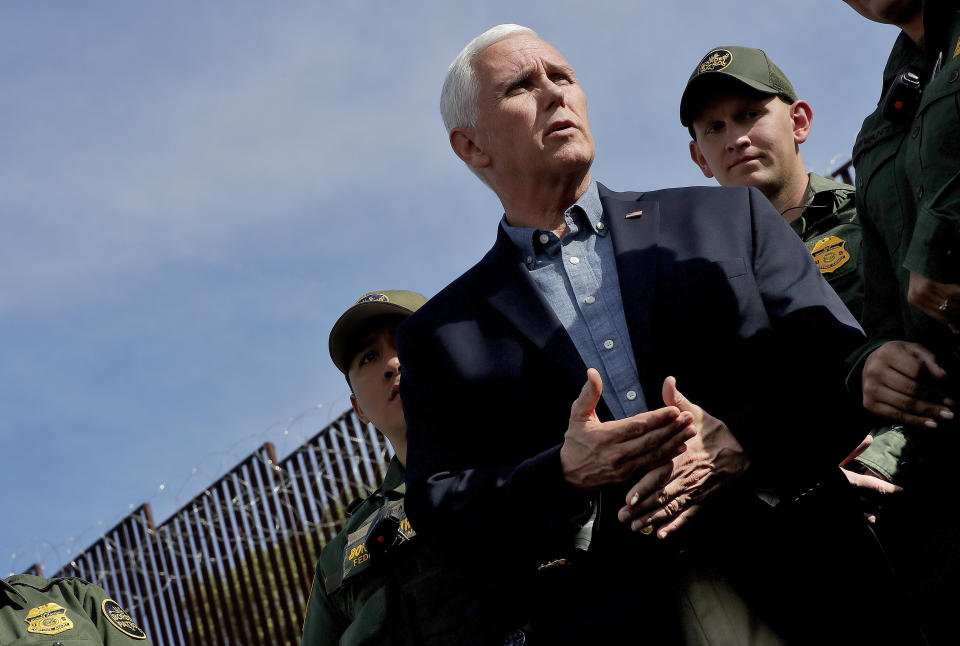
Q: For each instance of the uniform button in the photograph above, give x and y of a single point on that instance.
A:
(589, 300)
(529, 260)
(916, 132)
(601, 226)
(631, 394)
(574, 260)
(544, 238)
(919, 192)
(608, 344)
(954, 75)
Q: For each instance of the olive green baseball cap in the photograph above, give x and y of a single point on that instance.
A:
(370, 306)
(745, 65)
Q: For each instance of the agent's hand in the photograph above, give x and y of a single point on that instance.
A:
(893, 386)
(666, 498)
(939, 301)
(870, 486)
(596, 453)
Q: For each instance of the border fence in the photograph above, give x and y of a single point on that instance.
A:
(234, 566)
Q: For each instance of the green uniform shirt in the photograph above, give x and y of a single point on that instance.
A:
(407, 595)
(908, 199)
(831, 230)
(62, 611)
(908, 185)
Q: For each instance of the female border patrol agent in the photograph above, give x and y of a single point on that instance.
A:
(377, 582)
(63, 611)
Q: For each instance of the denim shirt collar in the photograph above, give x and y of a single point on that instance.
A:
(588, 207)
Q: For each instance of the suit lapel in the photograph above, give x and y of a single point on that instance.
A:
(635, 228)
(506, 284)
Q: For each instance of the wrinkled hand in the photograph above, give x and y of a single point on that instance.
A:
(929, 296)
(596, 453)
(871, 485)
(897, 384)
(668, 496)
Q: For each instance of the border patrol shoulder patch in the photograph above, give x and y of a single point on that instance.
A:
(121, 620)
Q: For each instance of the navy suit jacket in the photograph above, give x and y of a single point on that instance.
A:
(717, 291)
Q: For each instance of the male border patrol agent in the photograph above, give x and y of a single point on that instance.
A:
(747, 125)
(377, 582)
(62, 611)
(907, 159)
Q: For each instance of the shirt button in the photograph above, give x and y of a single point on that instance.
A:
(608, 344)
(631, 394)
(529, 260)
(589, 300)
(601, 226)
(574, 260)
(544, 238)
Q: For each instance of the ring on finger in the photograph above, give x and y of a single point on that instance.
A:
(944, 305)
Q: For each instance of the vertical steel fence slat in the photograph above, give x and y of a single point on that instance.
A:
(218, 565)
(244, 607)
(147, 608)
(263, 557)
(193, 558)
(294, 525)
(283, 574)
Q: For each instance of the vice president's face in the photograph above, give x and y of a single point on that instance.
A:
(532, 112)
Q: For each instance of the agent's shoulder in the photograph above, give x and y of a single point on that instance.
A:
(41, 584)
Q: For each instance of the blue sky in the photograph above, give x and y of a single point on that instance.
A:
(191, 193)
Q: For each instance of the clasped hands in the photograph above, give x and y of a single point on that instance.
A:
(683, 453)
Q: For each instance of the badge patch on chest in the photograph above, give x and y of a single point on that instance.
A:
(829, 254)
(48, 619)
(121, 620)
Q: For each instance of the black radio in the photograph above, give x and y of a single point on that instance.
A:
(901, 100)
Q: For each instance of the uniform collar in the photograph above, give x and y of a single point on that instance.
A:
(822, 198)
(393, 480)
(12, 592)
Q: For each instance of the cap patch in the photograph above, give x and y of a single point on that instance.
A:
(373, 298)
(48, 619)
(715, 61)
(829, 254)
(121, 620)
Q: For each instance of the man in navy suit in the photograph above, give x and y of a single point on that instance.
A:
(611, 301)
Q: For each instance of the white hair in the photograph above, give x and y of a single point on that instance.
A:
(458, 99)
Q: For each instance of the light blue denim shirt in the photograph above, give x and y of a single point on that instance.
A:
(578, 277)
